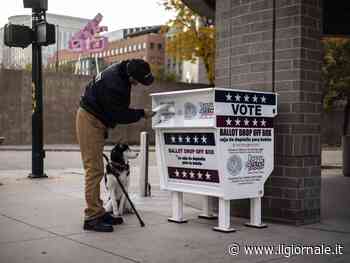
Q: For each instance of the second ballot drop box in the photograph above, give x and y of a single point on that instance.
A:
(215, 142)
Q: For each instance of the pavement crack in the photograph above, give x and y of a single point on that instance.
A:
(71, 239)
(23, 240)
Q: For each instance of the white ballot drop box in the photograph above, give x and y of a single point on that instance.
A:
(215, 142)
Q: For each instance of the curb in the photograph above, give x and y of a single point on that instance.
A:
(62, 149)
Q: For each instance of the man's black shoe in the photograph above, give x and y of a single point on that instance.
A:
(97, 225)
(108, 219)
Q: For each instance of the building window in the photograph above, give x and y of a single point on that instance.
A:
(121, 50)
(108, 53)
(116, 51)
(152, 46)
(160, 46)
(130, 48)
(144, 45)
(139, 47)
(134, 48)
(125, 49)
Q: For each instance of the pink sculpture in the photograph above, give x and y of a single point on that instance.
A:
(87, 39)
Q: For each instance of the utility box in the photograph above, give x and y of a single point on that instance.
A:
(217, 143)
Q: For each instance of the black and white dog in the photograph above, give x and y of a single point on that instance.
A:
(116, 202)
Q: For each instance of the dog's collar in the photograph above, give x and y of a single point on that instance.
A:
(120, 166)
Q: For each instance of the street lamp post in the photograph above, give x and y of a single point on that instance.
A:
(38, 153)
(41, 34)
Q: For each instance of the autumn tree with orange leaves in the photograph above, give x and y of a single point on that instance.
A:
(193, 38)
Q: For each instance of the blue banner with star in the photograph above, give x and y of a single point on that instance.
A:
(191, 174)
(243, 122)
(245, 97)
(190, 138)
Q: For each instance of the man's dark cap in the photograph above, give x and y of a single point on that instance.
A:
(140, 70)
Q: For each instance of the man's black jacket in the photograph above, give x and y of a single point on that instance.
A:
(107, 97)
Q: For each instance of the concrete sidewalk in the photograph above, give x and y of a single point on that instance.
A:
(41, 221)
(60, 148)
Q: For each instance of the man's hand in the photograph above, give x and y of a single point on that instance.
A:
(149, 113)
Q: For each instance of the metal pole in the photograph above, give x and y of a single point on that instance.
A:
(143, 182)
(57, 47)
(147, 185)
(38, 153)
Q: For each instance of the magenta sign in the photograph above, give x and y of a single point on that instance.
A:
(88, 39)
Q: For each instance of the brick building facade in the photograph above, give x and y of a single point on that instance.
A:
(244, 61)
(148, 46)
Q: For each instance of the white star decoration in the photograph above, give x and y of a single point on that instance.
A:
(184, 174)
(188, 139)
(204, 139)
(173, 139)
(246, 98)
(255, 98)
(195, 138)
(238, 122)
(255, 122)
(228, 121)
(263, 99)
(263, 122)
(246, 122)
(191, 175)
(238, 98)
(200, 176)
(177, 173)
(228, 96)
(180, 139)
(208, 176)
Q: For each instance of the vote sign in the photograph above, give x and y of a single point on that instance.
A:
(244, 122)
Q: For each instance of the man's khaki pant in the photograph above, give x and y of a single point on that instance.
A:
(90, 134)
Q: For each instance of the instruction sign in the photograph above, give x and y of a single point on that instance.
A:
(244, 120)
(191, 156)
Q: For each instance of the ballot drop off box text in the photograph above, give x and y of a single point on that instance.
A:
(215, 142)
